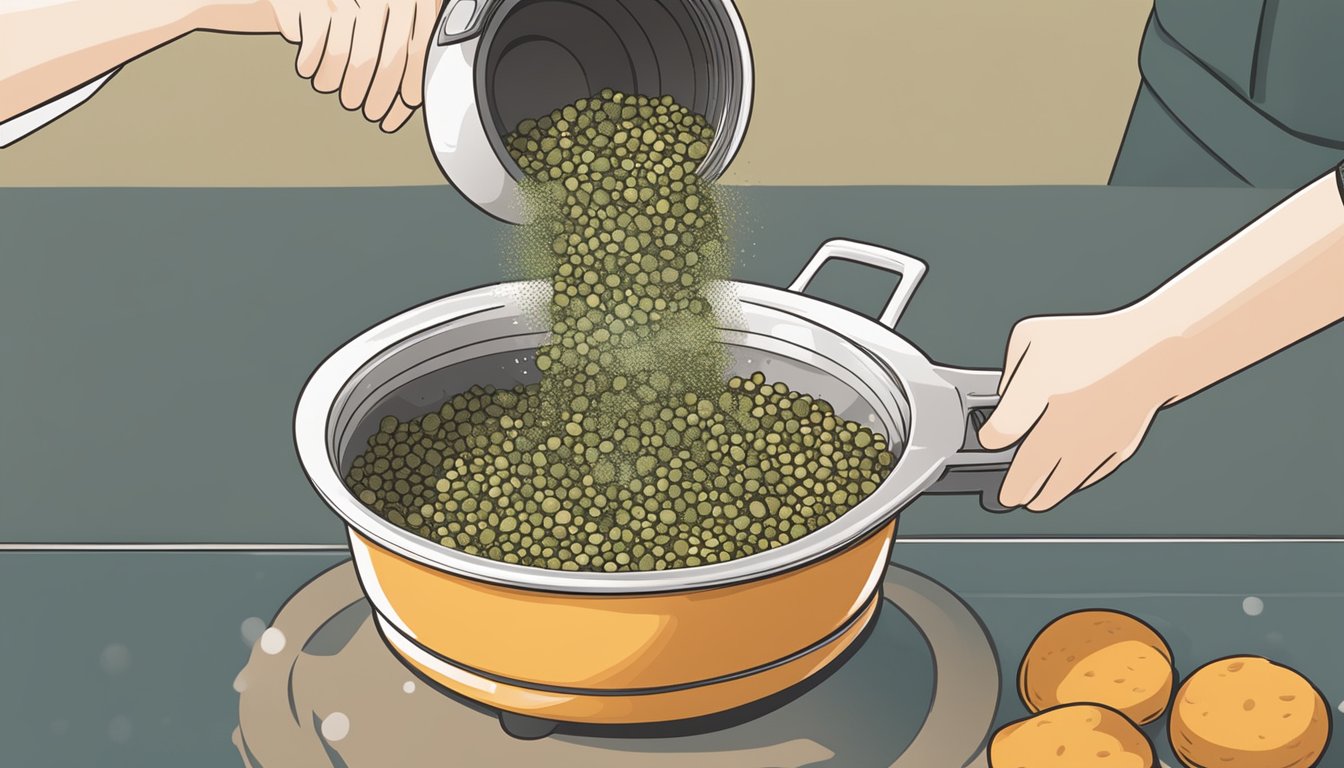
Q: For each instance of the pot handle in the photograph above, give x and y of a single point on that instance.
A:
(462, 20)
(910, 270)
(974, 469)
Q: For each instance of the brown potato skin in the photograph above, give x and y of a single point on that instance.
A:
(1072, 736)
(1248, 712)
(1100, 657)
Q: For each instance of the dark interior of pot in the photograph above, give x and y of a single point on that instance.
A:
(800, 367)
(542, 54)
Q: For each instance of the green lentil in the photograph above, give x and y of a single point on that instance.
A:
(632, 453)
(706, 494)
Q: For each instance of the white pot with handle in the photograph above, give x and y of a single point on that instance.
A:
(493, 63)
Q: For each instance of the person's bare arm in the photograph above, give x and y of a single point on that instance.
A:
(48, 47)
(1079, 392)
(372, 51)
(1273, 283)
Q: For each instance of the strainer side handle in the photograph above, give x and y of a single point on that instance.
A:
(910, 269)
(973, 469)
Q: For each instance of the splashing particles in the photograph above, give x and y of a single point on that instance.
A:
(335, 726)
(115, 659)
(251, 629)
(119, 729)
(272, 641)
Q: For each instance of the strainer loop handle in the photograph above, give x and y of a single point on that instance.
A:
(910, 269)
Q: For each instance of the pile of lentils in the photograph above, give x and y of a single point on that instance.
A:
(635, 452)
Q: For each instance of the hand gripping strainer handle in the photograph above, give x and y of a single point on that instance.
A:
(973, 469)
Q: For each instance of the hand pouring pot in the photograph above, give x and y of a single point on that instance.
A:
(644, 646)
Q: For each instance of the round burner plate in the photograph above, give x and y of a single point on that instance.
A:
(324, 690)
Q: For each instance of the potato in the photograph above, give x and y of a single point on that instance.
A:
(1072, 736)
(1248, 712)
(1099, 657)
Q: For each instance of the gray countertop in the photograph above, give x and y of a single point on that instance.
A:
(155, 342)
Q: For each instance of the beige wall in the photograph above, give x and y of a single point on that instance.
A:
(848, 92)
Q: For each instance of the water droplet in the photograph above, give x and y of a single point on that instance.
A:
(252, 628)
(119, 729)
(1253, 606)
(408, 686)
(272, 641)
(115, 659)
(335, 726)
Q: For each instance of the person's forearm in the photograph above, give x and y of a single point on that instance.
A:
(1275, 282)
(48, 47)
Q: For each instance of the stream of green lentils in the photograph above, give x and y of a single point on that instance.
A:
(633, 452)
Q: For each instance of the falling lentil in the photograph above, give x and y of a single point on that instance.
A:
(632, 453)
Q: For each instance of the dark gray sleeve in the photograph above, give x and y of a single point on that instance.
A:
(1339, 180)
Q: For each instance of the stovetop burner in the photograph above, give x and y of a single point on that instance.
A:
(322, 689)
